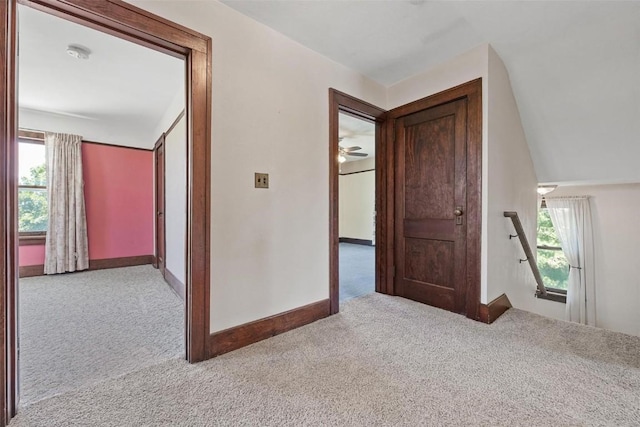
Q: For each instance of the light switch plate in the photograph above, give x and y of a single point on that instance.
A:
(262, 180)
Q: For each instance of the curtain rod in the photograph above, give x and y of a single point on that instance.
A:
(567, 197)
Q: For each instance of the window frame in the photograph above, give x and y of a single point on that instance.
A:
(553, 294)
(26, 238)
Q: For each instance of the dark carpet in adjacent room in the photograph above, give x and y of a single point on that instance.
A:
(357, 270)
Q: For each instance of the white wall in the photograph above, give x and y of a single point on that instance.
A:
(358, 165)
(175, 155)
(269, 248)
(512, 184)
(174, 109)
(616, 240)
(269, 94)
(461, 69)
(357, 196)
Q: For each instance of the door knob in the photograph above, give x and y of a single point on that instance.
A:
(458, 211)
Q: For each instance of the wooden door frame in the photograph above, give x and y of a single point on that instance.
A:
(472, 92)
(8, 212)
(340, 102)
(122, 20)
(160, 184)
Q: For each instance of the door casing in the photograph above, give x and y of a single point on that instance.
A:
(126, 21)
(160, 223)
(342, 103)
(385, 192)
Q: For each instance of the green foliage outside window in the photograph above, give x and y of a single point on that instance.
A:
(32, 202)
(552, 263)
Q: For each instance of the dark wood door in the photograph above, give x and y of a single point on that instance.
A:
(160, 221)
(430, 205)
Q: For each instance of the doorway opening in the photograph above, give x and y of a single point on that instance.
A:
(89, 113)
(355, 198)
(144, 29)
(356, 205)
(427, 197)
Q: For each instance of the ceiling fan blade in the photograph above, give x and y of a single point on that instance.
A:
(349, 149)
(357, 154)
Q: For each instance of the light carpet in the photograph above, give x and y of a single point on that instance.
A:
(82, 328)
(381, 361)
(357, 270)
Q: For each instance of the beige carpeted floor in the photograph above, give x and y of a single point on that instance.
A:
(82, 328)
(381, 361)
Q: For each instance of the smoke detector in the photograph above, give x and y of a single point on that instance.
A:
(78, 52)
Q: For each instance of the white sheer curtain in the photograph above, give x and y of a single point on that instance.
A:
(571, 218)
(66, 246)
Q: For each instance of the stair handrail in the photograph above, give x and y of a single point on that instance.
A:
(522, 236)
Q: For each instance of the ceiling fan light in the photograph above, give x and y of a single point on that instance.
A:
(341, 159)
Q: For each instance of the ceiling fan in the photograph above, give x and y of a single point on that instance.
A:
(349, 151)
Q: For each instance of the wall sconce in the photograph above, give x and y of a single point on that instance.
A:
(546, 189)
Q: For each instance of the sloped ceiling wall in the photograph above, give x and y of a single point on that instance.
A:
(573, 65)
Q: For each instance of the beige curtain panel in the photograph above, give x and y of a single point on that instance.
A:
(66, 247)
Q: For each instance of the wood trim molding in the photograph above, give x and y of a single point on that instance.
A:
(37, 137)
(363, 242)
(8, 213)
(340, 102)
(32, 135)
(159, 222)
(126, 21)
(94, 264)
(249, 333)
(32, 240)
(130, 261)
(175, 284)
(84, 141)
(199, 205)
(159, 142)
(488, 313)
(130, 23)
(31, 271)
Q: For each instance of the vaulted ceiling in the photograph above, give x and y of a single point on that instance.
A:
(574, 65)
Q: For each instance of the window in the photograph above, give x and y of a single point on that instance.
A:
(32, 188)
(552, 263)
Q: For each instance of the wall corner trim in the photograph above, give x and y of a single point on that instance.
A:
(94, 264)
(252, 332)
(488, 313)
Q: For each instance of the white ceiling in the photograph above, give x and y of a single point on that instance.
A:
(120, 94)
(357, 132)
(574, 65)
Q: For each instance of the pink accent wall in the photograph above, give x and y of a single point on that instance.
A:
(31, 255)
(118, 191)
